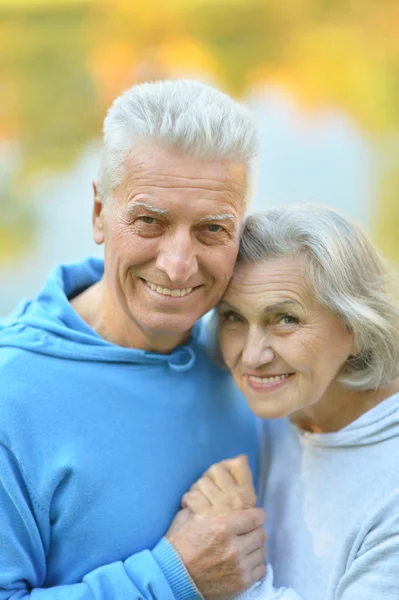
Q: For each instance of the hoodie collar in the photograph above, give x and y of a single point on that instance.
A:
(49, 325)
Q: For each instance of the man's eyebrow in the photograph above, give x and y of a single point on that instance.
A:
(219, 217)
(163, 211)
(154, 209)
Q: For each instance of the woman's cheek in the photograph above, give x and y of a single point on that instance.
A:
(232, 354)
(226, 350)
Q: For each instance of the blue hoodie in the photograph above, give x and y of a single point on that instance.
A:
(97, 445)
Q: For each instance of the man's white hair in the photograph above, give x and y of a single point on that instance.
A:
(348, 276)
(185, 116)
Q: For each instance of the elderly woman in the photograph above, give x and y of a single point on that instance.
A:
(309, 328)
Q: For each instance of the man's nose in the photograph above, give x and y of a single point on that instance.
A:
(257, 350)
(177, 258)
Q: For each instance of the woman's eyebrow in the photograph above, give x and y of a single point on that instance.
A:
(279, 305)
(224, 304)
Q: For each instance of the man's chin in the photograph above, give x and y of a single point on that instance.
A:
(170, 327)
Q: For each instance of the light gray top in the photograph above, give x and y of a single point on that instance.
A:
(332, 502)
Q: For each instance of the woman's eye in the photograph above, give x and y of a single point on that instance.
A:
(231, 317)
(149, 220)
(287, 320)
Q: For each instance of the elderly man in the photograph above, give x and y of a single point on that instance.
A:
(105, 382)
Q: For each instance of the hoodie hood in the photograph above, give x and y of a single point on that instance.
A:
(376, 425)
(49, 325)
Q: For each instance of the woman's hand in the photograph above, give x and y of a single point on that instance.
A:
(226, 486)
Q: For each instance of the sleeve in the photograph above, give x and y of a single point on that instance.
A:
(158, 574)
(265, 590)
(373, 572)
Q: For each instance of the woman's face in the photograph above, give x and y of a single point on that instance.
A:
(284, 348)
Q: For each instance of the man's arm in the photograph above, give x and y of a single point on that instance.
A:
(157, 574)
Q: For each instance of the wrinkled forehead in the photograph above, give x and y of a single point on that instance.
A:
(152, 164)
(274, 278)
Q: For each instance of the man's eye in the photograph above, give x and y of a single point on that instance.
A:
(213, 228)
(149, 220)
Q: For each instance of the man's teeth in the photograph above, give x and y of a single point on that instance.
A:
(268, 379)
(167, 292)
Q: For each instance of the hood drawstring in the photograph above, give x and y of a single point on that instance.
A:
(181, 359)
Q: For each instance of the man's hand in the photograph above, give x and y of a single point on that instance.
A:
(182, 517)
(226, 486)
(224, 554)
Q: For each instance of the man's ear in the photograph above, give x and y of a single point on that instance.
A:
(98, 216)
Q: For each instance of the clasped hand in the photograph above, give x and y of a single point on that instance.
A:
(219, 534)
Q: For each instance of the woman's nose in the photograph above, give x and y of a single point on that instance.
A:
(257, 350)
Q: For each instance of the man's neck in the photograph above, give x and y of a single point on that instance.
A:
(93, 305)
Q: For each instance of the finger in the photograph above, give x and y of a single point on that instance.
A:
(222, 477)
(244, 521)
(211, 491)
(242, 475)
(240, 471)
(257, 558)
(252, 541)
(196, 502)
(258, 573)
(221, 502)
(233, 498)
(243, 494)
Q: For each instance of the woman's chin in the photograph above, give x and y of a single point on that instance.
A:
(266, 408)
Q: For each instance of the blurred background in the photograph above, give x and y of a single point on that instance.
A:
(320, 76)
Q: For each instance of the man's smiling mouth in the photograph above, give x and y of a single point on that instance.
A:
(177, 293)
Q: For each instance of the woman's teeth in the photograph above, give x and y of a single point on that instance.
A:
(167, 292)
(268, 379)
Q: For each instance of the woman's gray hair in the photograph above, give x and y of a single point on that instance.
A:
(186, 116)
(348, 276)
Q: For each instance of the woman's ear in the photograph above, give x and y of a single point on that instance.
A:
(356, 347)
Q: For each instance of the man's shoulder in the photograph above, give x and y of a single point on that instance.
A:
(23, 376)
(19, 386)
(14, 364)
(14, 361)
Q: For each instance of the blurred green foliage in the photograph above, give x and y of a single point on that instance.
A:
(61, 64)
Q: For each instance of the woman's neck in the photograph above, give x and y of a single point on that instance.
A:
(340, 406)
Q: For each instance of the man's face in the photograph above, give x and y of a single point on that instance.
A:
(171, 235)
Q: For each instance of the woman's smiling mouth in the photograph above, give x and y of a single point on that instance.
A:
(267, 383)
